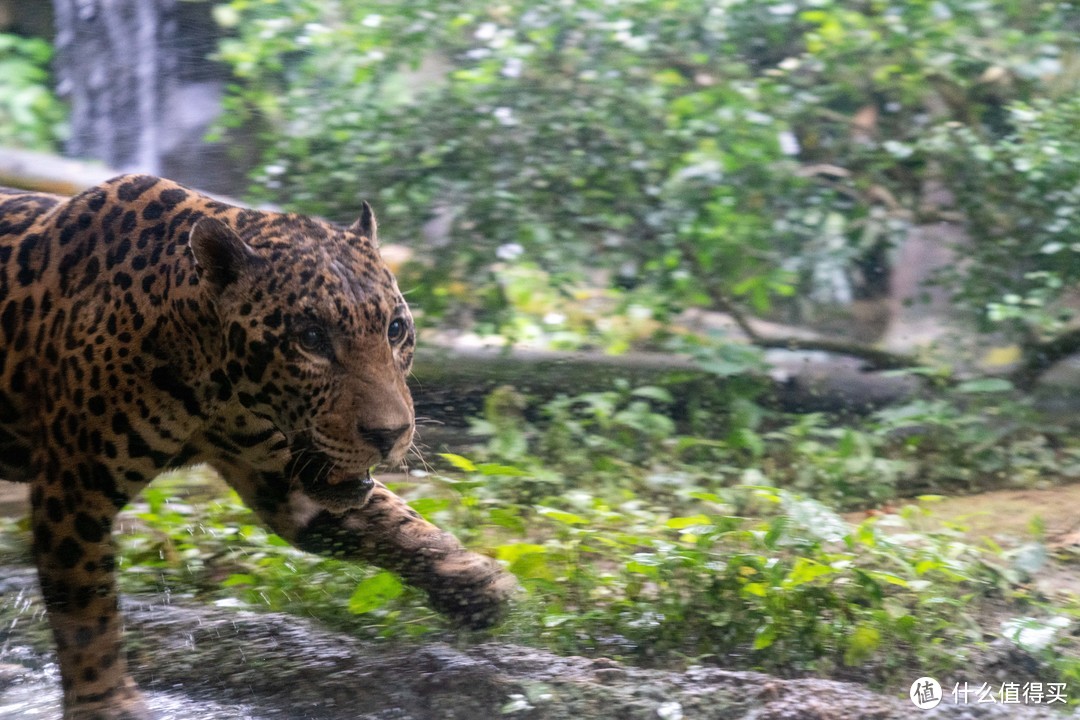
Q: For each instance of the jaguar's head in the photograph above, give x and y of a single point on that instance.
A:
(316, 344)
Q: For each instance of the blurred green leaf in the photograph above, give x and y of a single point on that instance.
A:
(374, 592)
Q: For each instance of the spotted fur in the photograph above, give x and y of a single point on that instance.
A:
(144, 326)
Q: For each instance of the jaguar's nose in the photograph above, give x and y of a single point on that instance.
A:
(384, 439)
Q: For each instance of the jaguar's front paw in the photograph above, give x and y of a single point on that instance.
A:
(472, 590)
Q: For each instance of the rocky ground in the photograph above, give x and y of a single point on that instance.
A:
(207, 663)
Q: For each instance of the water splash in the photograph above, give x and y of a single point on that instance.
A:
(30, 694)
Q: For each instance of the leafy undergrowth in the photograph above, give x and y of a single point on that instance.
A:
(632, 541)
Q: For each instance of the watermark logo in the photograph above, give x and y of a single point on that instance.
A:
(925, 693)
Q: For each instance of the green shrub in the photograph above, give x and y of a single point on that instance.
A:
(30, 115)
(1020, 193)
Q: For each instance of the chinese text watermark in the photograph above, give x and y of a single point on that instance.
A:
(927, 693)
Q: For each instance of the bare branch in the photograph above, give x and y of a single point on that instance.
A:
(876, 357)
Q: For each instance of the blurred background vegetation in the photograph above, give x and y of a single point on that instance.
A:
(31, 116)
(582, 175)
(673, 154)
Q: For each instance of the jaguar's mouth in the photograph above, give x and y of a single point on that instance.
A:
(329, 484)
(339, 491)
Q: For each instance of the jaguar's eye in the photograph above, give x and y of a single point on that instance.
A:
(314, 339)
(396, 331)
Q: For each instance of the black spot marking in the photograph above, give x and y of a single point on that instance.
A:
(169, 381)
(68, 553)
(54, 510)
(7, 320)
(42, 538)
(25, 259)
(153, 211)
(89, 529)
(96, 200)
(96, 405)
(83, 636)
(118, 252)
(173, 197)
(135, 187)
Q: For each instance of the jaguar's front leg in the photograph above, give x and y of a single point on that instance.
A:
(380, 528)
(73, 548)
(469, 588)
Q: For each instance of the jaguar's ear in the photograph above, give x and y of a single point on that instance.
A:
(220, 254)
(366, 226)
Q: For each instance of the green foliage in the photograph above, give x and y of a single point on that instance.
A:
(686, 149)
(374, 592)
(648, 438)
(1020, 195)
(30, 115)
(977, 438)
(202, 541)
(796, 588)
(558, 136)
(685, 549)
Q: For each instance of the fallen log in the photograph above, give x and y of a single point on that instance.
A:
(45, 172)
(450, 380)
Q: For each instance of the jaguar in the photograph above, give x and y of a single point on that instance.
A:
(145, 326)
